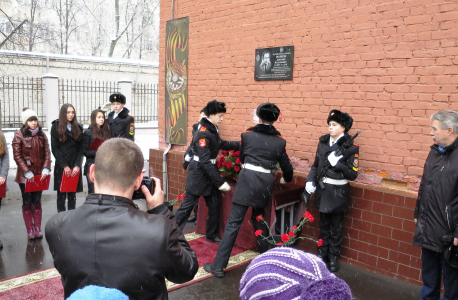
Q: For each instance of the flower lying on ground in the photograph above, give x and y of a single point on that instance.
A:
(173, 202)
(289, 238)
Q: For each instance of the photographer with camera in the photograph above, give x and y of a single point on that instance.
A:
(109, 242)
(436, 214)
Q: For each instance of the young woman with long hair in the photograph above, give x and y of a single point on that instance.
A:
(4, 165)
(99, 128)
(32, 156)
(67, 147)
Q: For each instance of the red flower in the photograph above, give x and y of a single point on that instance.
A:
(279, 243)
(308, 216)
(258, 232)
(291, 233)
(233, 154)
(220, 165)
(285, 237)
(238, 161)
(221, 158)
(320, 243)
(294, 227)
(224, 153)
(224, 164)
(229, 164)
(236, 168)
(237, 153)
(259, 218)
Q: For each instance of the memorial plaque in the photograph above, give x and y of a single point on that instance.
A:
(274, 63)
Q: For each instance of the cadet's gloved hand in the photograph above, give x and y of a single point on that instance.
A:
(185, 165)
(225, 187)
(282, 180)
(310, 187)
(333, 159)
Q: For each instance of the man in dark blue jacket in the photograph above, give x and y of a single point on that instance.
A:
(436, 212)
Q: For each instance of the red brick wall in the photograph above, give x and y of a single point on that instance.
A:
(378, 230)
(389, 63)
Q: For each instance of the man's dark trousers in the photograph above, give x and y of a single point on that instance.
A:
(212, 203)
(331, 232)
(434, 267)
(232, 229)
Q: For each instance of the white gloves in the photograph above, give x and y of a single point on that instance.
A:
(28, 175)
(225, 187)
(187, 158)
(333, 159)
(282, 180)
(310, 188)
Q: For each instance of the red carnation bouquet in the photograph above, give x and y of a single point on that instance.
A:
(288, 239)
(172, 203)
(230, 163)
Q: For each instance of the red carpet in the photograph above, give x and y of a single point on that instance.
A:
(46, 284)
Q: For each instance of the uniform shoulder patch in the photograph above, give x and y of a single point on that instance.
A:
(131, 129)
(202, 143)
(203, 128)
(355, 164)
(281, 137)
(356, 145)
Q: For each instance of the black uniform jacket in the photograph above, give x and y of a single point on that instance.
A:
(262, 146)
(109, 242)
(189, 150)
(203, 175)
(437, 203)
(67, 154)
(123, 126)
(334, 198)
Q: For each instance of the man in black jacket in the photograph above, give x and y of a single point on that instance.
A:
(109, 242)
(436, 211)
(262, 147)
(120, 121)
(332, 201)
(203, 178)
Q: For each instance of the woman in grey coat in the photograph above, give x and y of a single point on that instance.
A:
(4, 165)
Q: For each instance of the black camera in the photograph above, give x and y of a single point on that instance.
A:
(149, 183)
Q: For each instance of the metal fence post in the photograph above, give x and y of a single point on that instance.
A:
(125, 88)
(51, 105)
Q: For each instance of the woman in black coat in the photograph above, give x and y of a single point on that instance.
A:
(67, 148)
(98, 129)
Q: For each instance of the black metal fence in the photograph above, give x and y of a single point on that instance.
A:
(85, 95)
(144, 102)
(17, 93)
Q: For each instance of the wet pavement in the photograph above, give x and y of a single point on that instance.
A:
(20, 256)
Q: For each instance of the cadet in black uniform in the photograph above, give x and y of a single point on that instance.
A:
(188, 155)
(120, 121)
(332, 202)
(203, 178)
(261, 148)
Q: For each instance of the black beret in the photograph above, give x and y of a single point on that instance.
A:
(342, 118)
(268, 112)
(118, 97)
(214, 107)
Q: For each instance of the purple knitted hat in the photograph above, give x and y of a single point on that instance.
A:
(290, 274)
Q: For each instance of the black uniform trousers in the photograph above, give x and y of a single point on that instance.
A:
(212, 202)
(331, 232)
(233, 225)
(434, 267)
(61, 201)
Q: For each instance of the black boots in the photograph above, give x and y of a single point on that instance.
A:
(334, 265)
(211, 268)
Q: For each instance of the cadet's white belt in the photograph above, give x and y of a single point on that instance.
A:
(335, 181)
(256, 168)
(196, 158)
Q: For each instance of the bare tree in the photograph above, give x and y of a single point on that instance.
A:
(67, 12)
